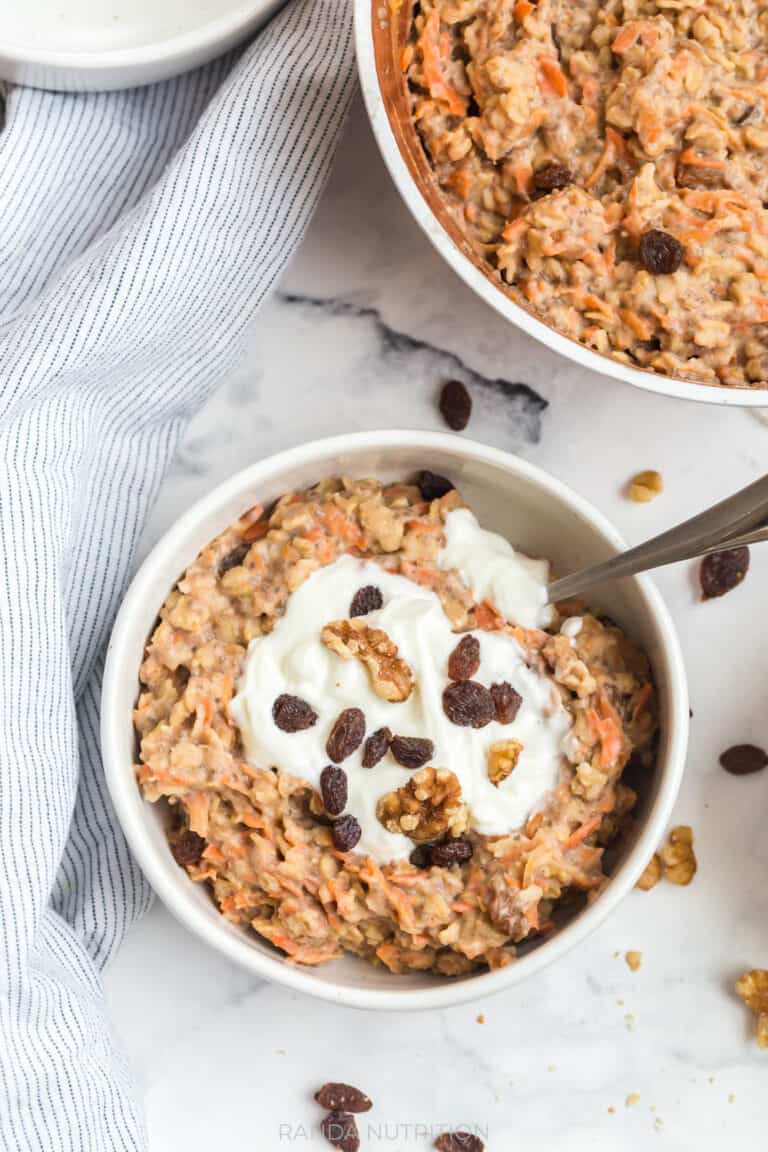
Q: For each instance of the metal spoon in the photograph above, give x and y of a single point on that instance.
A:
(741, 519)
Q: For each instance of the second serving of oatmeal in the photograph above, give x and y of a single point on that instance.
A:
(374, 735)
(609, 161)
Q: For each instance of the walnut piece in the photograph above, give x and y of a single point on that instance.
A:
(391, 678)
(753, 989)
(425, 808)
(502, 760)
(645, 486)
(652, 874)
(678, 856)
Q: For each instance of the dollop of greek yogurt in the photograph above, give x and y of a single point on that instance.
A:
(292, 659)
(495, 571)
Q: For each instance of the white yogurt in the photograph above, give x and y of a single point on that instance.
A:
(571, 627)
(292, 659)
(488, 563)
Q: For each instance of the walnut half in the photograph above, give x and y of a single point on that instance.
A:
(391, 678)
(753, 989)
(502, 760)
(425, 808)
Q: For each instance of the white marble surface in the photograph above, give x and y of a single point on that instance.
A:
(368, 321)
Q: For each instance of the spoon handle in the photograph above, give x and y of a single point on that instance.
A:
(741, 519)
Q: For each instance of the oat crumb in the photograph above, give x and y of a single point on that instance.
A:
(480, 1018)
(658, 1122)
(711, 1079)
(645, 486)
(629, 1020)
(620, 1003)
(731, 1097)
(634, 960)
(551, 1068)
(632, 1099)
(612, 1110)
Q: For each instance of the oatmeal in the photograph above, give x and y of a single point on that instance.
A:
(608, 160)
(374, 735)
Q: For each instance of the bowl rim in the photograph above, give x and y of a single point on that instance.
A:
(176, 47)
(122, 785)
(482, 285)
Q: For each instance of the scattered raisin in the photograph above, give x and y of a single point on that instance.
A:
(292, 714)
(743, 759)
(660, 253)
(456, 851)
(365, 600)
(552, 177)
(346, 735)
(455, 405)
(421, 857)
(411, 751)
(376, 747)
(433, 486)
(469, 704)
(234, 558)
(346, 832)
(459, 1142)
(188, 848)
(333, 789)
(340, 1130)
(343, 1098)
(722, 571)
(464, 661)
(506, 701)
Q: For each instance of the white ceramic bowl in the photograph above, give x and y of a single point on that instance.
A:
(533, 510)
(75, 45)
(412, 175)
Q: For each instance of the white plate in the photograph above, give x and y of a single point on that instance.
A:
(99, 44)
(511, 496)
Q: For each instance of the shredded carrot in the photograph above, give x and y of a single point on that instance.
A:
(522, 9)
(406, 56)
(643, 30)
(690, 156)
(551, 77)
(641, 328)
(582, 832)
(256, 531)
(439, 88)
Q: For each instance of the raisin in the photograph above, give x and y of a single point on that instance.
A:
(455, 405)
(333, 789)
(694, 176)
(188, 848)
(506, 701)
(552, 177)
(456, 851)
(743, 759)
(660, 253)
(343, 1098)
(411, 751)
(365, 600)
(421, 857)
(346, 735)
(722, 571)
(234, 558)
(433, 486)
(464, 661)
(376, 747)
(292, 714)
(459, 1142)
(468, 704)
(340, 1130)
(346, 832)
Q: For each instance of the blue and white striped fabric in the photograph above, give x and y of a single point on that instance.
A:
(139, 233)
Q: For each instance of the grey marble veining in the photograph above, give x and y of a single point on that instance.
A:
(366, 325)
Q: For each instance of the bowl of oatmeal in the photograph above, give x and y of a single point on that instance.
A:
(354, 748)
(596, 172)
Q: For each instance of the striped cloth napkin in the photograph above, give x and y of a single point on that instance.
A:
(139, 233)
